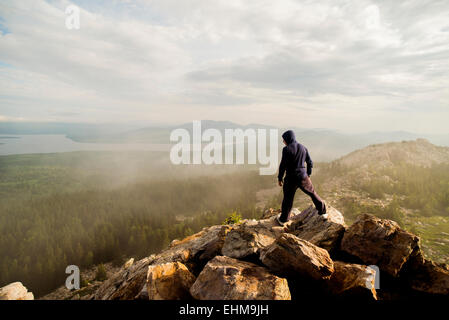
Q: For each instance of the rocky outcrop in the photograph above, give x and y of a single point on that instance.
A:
(169, 281)
(286, 262)
(225, 278)
(352, 280)
(15, 291)
(193, 251)
(291, 256)
(379, 242)
(325, 233)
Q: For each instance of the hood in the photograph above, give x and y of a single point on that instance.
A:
(289, 136)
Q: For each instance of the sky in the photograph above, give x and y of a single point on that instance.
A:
(352, 66)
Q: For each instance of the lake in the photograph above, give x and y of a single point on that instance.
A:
(25, 144)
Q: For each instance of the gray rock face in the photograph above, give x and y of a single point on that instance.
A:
(225, 278)
(352, 280)
(291, 256)
(325, 233)
(15, 291)
(379, 242)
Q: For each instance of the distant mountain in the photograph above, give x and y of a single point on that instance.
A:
(323, 144)
(79, 131)
(162, 134)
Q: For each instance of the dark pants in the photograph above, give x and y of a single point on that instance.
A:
(289, 188)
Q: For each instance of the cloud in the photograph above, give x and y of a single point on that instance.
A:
(340, 65)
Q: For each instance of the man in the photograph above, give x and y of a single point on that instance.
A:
(294, 155)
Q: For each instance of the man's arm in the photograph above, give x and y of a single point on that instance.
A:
(282, 165)
(309, 163)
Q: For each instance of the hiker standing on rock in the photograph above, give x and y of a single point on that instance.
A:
(294, 155)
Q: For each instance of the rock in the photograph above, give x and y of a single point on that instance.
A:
(194, 251)
(169, 281)
(426, 276)
(324, 233)
(352, 280)
(128, 263)
(15, 291)
(225, 278)
(291, 256)
(274, 212)
(247, 239)
(127, 283)
(379, 242)
(300, 253)
(270, 213)
(251, 236)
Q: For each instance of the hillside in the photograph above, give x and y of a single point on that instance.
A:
(418, 152)
(406, 181)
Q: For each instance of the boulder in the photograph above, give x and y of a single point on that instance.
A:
(249, 237)
(426, 276)
(15, 291)
(270, 213)
(274, 212)
(291, 256)
(225, 278)
(352, 280)
(379, 242)
(169, 281)
(197, 249)
(324, 233)
(127, 283)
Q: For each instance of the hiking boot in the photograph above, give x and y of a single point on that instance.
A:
(323, 212)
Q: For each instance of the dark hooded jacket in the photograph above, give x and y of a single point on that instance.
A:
(294, 155)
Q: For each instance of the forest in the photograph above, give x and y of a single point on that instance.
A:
(41, 231)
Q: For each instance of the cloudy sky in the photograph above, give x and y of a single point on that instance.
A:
(349, 65)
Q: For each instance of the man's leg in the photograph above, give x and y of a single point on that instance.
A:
(307, 187)
(289, 189)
